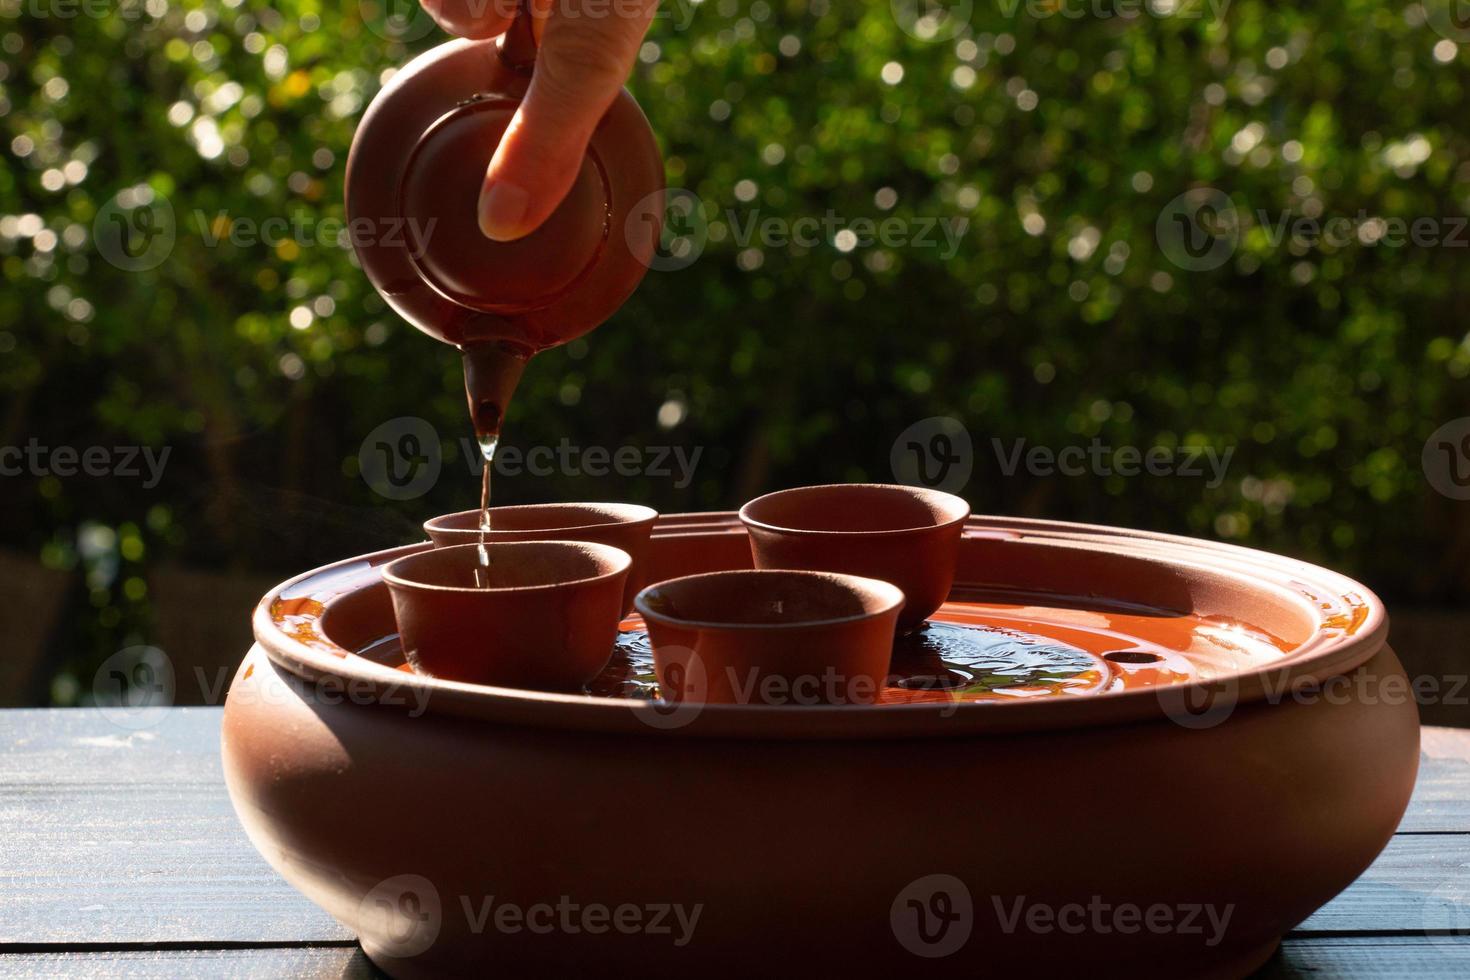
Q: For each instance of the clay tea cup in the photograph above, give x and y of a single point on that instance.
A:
(542, 616)
(771, 637)
(909, 536)
(625, 526)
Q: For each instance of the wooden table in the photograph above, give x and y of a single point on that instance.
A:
(121, 855)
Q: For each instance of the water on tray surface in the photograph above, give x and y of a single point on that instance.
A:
(995, 652)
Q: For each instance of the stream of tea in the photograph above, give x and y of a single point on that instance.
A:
(491, 372)
(487, 451)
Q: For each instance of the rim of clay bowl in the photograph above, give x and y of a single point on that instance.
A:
(631, 514)
(943, 502)
(393, 571)
(1348, 626)
(890, 594)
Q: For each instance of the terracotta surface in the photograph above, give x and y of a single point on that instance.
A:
(541, 616)
(771, 637)
(909, 536)
(817, 829)
(414, 175)
(624, 526)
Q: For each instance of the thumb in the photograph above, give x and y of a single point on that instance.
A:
(585, 57)
(472, 18)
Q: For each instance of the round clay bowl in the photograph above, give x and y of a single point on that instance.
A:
(771, 637)
(542, 616)
(909, 536)
(811, 837)
(624, 526)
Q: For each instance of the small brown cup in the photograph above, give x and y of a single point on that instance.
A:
(771, 637)
(545, 620)
(625, 526)
(909, 536)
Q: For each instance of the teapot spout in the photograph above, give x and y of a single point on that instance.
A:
(492, 369)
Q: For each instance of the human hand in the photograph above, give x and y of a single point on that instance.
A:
(587, 48)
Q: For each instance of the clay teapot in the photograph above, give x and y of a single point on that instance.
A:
(414, 174)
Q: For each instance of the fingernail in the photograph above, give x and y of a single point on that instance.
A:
(502, 209)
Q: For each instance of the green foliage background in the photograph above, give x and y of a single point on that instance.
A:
(1324, 367)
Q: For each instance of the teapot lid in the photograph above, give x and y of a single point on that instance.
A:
(414, 175)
